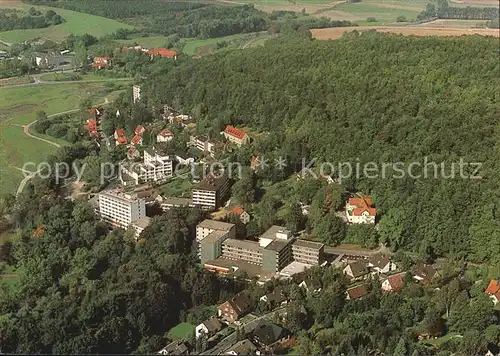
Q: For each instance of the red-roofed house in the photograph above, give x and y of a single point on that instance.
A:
(101, 62)
(95, 113)
(139, 130)
(356, 292)
(136, 140)
(119, 133)
(235, 135)
(493, 290)
(165, 136)
(121, 140)
(242, 214)
(163, 52)
(393, 283)
(91, 126)
(360, 211)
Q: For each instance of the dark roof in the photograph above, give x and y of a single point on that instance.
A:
(358, 269)
(357, 292)
(276, 295)
(425, 271)
(396, 281)
(212, 183)
(267, 333)
(175, 348)
(239, 303)
(379, 260)
(212, 324)
(313, 283)
(277, 245)
(243, 347)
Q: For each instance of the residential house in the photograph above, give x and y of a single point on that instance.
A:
(393, 283)
(357, 292)
(356, 270)
(380, 263)
(95, 112)
(243, 347)
(234, 135)
(163, 53)
(165, 136)
(276, 297)
(493, 290)
(360, 211)
(267, 334)
(242, 214)
(133, 153)
(91, 126)
(209, 327)
(139, 130)
(234, 308)
(120, 138)
(425, 273)
(101, 62)
(175, 348)
(136, 140)
(311, 285)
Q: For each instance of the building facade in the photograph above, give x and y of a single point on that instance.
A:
(211, 191)
(121, 209)
(308, 252)
(136, 93)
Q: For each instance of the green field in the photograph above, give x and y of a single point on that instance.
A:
(180, 331)
(383, 15)
(18, 106)
(76, 22)
(148, 42)
(200, 47)
(70, 75)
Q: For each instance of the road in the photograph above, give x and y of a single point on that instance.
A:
(26, 129)
(230, 340)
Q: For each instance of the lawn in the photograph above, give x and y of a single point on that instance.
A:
(181, 331)
(177, 188)
(69, 76)
(76, 22)
(148, 42)
(18, 106)
(15, 81)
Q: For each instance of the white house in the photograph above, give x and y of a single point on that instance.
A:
(381, 264)
(360, 211)
(356, 270)
(165, 136)
(209, 327)
(393, 283)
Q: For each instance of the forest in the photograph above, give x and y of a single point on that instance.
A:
(192, 19)
(442, 10)
(11, 19)
(365, 98)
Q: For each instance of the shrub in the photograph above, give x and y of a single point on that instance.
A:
(401, 19)
(371, 19)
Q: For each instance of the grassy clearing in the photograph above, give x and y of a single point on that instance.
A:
(69, 76)
(76, 22)
(438, 342)
(149, 42)
(18, 106)
(15, 81)
(207, 46)
(383, 15)
(181, 331)
(177, 188)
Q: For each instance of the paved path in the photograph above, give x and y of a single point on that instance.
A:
(26, 129)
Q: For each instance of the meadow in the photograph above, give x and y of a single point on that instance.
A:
(18, 106)
(75, 22)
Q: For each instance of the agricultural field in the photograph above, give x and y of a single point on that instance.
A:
(75, 22)
(336, 33)
(18, 106)
(201, 47)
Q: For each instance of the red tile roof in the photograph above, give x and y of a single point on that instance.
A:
(120, 132)
(362, 205)
(233, 131)
(166, 133)
(98, 65)
(103, 59)
(238, 210)
(122, 140)
(396, 281)
(493, 287)
(136, 139)
(91, 125)
(163, 52)
(357, 292)
(139, 130)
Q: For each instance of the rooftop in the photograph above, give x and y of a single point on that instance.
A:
(357, 292)
(237, 267)
(244, 244)
(271, 232)
(118, 194)
(215, 225)
(308, 244)
(142, 222)
(233, 131)
(294, 268)
(214, 236)
(212, 183)
(176, 201)
(277, 245)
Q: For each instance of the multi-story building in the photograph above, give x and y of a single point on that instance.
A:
(211, 191)
(308, 252)
(236, 136)
(121, 209)
(245, 250)
(210, 235)
(203, 143)
(136, 93)
(155, 168)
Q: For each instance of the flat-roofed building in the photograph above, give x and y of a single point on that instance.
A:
(277, 255)
(121, 209)
(209, 235)
(140, 224)
(211, 191)
(168, 203)
(308, 252)
(136, 92)
(245, 250)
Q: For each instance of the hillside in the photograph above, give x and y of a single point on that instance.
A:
(373, 98)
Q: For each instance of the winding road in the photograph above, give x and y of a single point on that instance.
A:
(26, 129)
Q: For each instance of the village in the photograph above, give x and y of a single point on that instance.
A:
(279, 257)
